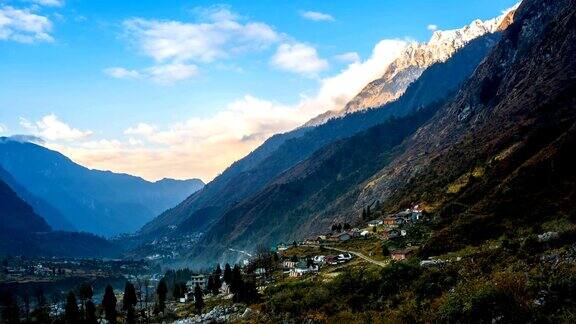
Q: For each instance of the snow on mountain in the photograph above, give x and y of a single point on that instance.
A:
(416, 58)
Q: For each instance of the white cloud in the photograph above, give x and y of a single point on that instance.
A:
(348, 57)
(165, 74)
(140, 129)
(122, 73)
(3, 128)
(194, 147)
(23, 26)
(337, 90)
(51, 128)
(205, 146)
(48, 3)
(219, 34)
(220, 37)
(298, 58)
(170, 73)
(316, 16)
(432, 27)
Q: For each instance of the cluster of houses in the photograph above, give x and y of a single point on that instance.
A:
(393, 222)
(298, 268)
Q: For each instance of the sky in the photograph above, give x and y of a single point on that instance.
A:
(182, 89)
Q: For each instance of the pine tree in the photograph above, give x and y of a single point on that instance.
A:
(368, 213)
(236, 282)
(85, 293)
(176, 293)
(71, 312)
(227, 274)
(41, 314)
(91, 313)
(183, 289)
(10, 312)
(129, 300)
(161, 291)
(198, 299)
(130, 316)
(217, 285)
(210, 284)
(109, 304)
(218, 270)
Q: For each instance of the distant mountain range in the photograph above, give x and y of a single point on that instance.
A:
(72, 197)
(478, 127)
(23, 232)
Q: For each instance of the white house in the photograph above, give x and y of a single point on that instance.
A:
(376, 222)
(200, 279)
(318, 259)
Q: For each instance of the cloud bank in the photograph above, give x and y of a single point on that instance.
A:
(177, 47)
(24, 26)
(204, 147)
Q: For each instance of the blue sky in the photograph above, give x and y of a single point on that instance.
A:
(119, 84)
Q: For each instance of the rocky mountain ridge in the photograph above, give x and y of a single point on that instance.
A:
(416, 58)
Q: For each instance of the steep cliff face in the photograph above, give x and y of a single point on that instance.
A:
(417, 57)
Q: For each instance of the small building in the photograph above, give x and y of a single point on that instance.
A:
(318, 259)
(354, 232)
(281, 247)
(364, 233)
(340, 237)
(260, 271)
(312, 241)
(389, 221)
(225, 289)
(200, 279)
(343, 237)
(331, 260)
(399, 255)
(344, 257)
(288, 264)
(374, 223)
(393, 233)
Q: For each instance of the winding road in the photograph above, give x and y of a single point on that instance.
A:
(358, 254)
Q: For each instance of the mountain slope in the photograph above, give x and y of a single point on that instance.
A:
(499, 157)
(95, 201)
(278, 212)
(505, 136)
(54, 218)
(16, 216)
(204, 208)
(23, 232)
(293, 203)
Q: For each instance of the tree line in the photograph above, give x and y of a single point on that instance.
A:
(80, 306)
